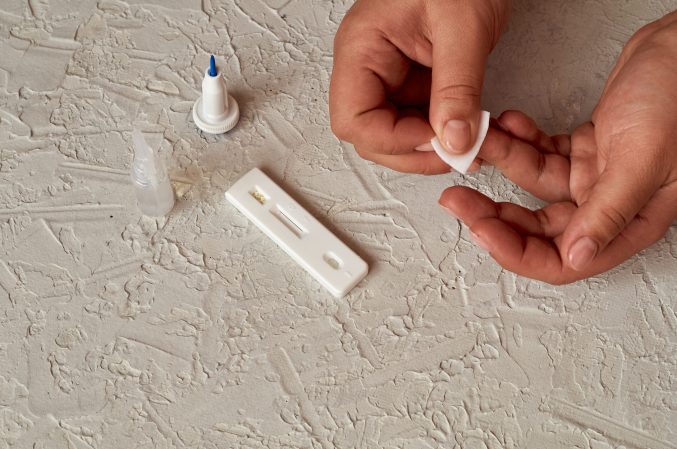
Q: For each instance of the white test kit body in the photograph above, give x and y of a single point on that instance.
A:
(298, 233)
(461, 162)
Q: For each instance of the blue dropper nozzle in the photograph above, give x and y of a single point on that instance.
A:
(212, 66)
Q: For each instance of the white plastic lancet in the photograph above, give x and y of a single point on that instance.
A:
(149, 176)
(215, 112)
(461, 162)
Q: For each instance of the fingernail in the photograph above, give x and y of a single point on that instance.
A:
(457, 136)
(582, 252)
(479, 241)
(425, 147)
(449, 211)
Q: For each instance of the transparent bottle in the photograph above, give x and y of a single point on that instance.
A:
(150, 179)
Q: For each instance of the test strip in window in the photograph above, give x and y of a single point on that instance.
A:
(298, 233)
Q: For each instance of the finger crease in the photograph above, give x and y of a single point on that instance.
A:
(540, 168)
(543, 221)
(616, 218)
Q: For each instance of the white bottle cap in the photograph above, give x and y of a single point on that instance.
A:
(215, 112)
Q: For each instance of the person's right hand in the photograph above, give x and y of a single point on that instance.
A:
(385, 99)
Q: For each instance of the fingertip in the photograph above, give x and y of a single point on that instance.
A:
(451, 200)
(451, 194)
(581, 253)
(455, 115)
(462, 130)
(457, 136)
(446, 199)
(448, 210)
(517, 123)
(468, 204)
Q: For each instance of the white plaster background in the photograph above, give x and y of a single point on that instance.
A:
(118, 331)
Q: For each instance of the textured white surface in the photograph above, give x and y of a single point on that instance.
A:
(198, 332)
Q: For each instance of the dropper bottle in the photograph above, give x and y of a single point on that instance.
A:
(149, 176)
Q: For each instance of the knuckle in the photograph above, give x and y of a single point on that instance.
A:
(584, 131)
(384, 148)
(541, 164)
(615, 220)
(652, 231)
(638, 38)
(543, 220)
(652, 35)
(512, 119)
(465, 92)
(364, 154)
(655, 234)
(340, 129)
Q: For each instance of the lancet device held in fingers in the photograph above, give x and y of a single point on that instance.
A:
(298, 233)
(461, 162)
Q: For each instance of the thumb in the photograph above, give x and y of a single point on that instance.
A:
(460, 51)
(621, 192)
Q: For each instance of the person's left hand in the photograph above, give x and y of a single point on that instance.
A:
(612, 185)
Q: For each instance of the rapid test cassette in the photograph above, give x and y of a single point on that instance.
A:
(298, 233)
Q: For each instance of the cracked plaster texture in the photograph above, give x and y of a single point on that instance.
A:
(195, 331)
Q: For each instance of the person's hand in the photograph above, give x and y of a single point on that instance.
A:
(612, 184)
(384, 97)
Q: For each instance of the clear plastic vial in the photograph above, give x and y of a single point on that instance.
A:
(150, 179)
